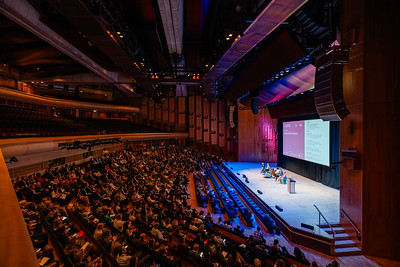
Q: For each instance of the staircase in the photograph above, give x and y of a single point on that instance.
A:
(344, 246)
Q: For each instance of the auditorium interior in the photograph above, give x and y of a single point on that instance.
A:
(199, 133)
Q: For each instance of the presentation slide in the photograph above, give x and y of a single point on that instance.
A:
(307, 140)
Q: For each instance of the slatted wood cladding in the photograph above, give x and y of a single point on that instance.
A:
(371, 88)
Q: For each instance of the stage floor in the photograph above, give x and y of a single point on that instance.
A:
(297, 208)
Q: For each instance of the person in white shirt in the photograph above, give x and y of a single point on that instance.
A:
(156, 232)
(118, 222)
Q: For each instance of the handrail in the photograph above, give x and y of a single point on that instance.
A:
(342, 212)
(319, 221)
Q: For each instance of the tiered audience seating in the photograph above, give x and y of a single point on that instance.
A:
(114, 126)
(201, 195)
(232, 192)
(131, 207)
(24, 122)
(229, 206)
(212, 196)
(239, 186)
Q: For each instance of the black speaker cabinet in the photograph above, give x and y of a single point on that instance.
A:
(254, 108)
(328, 91)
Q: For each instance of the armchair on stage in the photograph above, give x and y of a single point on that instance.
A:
(266, 170)
(276, 173)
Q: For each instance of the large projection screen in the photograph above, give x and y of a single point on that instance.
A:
(307, 140)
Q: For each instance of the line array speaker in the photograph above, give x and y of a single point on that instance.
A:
(328, 91)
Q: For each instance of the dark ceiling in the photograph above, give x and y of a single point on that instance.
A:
(133, 39)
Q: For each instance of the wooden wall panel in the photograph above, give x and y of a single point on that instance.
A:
(172, 112)
(144, 109)
(191, 114)
(165, 113)
(369, 190)
(214, 123)
(158, 111)
(246, 134)
(15, 239)
(221, 124)
(206, 121)
(199, 119)
(181, 106)
(381, 204)
(351, 136)
(351, 127)
(257, 136)
(151, 111)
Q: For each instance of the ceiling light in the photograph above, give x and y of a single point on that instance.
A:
(227, 38)
(118, 32)
(121, 36)
(230, 35)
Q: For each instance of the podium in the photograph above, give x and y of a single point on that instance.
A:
(291, 186)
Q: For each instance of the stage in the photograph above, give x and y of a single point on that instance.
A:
(298, 207)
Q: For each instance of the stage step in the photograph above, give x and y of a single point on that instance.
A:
(344, 246)
(347, 251)
(340, 236)
(344, 243)
(337, 230)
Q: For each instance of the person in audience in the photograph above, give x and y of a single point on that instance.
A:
(259, 236)
(156, 232)
(98, 233)
(300, 255)
(123, 259)
(146, 187)
(279, 263)
(257, 262)
(118, 223)
(193, 227)
(334, 263)
(275, 248)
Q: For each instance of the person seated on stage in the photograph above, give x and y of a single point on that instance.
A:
(268, 168)
(281, 178)
(274, 172)
(262, 167)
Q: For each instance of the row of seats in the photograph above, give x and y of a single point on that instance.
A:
(114, 126)
(232, 192)
(201, 195)
(24, 122)
(212, 196)
(265, 218)
(229, 206)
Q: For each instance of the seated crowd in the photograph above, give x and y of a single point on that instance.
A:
(133, 205)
